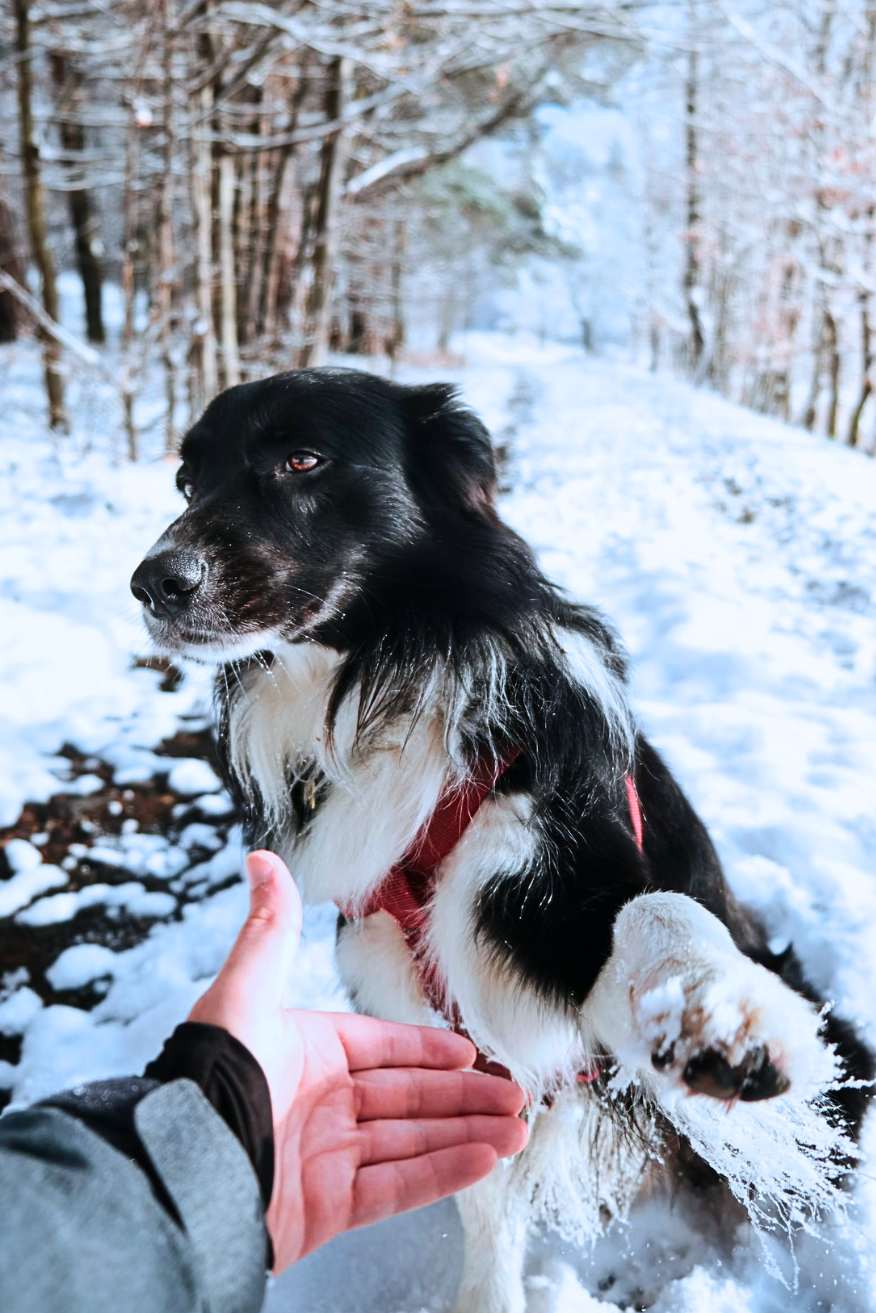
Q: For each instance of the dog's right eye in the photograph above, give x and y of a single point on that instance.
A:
(186, 487)
(302, 461)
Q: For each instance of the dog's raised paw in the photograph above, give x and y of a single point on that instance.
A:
(686, 1013)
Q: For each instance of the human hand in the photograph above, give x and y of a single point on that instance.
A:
(371, 1118)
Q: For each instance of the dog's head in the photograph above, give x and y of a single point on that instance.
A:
(303, 490)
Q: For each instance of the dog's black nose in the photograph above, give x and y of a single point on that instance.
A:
(165, 584)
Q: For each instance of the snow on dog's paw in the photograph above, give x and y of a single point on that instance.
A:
(730, 1030)
(705, 1019)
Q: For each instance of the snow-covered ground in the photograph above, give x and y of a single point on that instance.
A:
(737, 558)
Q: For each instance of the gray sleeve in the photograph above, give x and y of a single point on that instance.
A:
(81, 1227)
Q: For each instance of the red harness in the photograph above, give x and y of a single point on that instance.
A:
(407, 890)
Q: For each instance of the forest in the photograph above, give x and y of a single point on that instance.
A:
(264, 185)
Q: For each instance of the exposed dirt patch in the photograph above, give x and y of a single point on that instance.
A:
(65, 829)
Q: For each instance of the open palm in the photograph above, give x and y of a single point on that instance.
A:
(370, 1118)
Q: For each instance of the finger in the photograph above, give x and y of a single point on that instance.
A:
(397, 1092)
(389, 1188)
(388, 1141)
(372, 1043)
(268, 939)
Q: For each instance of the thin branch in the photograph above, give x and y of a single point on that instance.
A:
(81, 350)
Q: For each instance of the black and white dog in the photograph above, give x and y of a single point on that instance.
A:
(381, 634)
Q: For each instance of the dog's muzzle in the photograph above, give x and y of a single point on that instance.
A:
(166, 584)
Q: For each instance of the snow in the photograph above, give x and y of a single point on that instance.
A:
(22, 888)
(223, 865)
(659, 1013)
(132, 896)
(141, 854)
(84, 784)
(193, 776)
(80, 964)
(21, 856)
(216, 805)
(18, 1009)
(736, 556)
(199, 835)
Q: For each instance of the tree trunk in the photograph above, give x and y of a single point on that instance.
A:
(264, 322)
(205, 370)
(227, 272)
(287, 273)
(810, 411)
(270, 272)
(833, 364)
(166, 272)
(826, 349)
(789, 319)
(447, 318)
(129, 227)
(251, 250)
(866, 366)
(654, 345)
(866, 90)
(396, 339)
(333, 158)
(130, 245)
(36, 222)
(12, 263)
(82, 214)
(241, 236)
(692, 273)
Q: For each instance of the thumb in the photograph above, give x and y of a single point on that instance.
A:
(267, 943)
(273, 894)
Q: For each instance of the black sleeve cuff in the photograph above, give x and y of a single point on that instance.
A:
(232, 1081)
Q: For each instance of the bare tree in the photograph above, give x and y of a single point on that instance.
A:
(246, 154)
(86, 224)
(692, 288)
(167, 273)
(333, 158)
(11, 263)
(35, 212)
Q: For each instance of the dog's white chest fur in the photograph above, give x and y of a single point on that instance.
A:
(376, 796)
(379, 796)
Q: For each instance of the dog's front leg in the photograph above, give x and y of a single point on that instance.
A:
(494, 1218)
(682, 1009)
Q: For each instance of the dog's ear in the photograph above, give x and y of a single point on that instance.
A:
(448, 453)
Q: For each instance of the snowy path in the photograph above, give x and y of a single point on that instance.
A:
(738, 560)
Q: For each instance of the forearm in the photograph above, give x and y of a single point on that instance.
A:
(132, 1194)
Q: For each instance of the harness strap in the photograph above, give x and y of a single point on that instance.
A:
(406, 891)
(635, 813)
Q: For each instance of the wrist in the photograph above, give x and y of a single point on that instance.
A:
(232, 1081)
